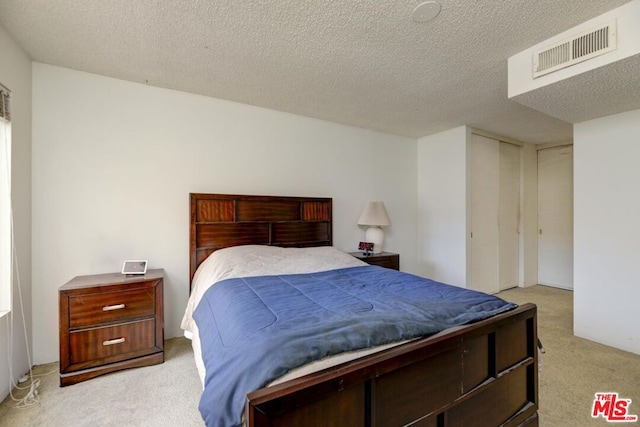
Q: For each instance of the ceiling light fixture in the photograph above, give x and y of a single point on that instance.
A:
(426, 11)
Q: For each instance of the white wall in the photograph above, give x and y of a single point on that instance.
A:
(442, 206)
(607, 230)
(114, 162)
(15, 73)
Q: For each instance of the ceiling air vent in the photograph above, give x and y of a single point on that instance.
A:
(581, 47)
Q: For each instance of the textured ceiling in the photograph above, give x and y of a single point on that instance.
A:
(359, 62)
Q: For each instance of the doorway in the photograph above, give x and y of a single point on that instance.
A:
(555, 217)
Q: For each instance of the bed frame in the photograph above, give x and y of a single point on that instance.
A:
(480, 374)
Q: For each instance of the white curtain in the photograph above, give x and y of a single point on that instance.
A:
(6, 259)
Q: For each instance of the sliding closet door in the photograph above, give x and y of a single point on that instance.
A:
(484, 164)
(509, 216)
(555, 217)
(495, 214)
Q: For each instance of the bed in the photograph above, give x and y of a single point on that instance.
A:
(483, 372)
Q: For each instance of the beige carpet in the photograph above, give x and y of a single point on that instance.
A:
(572, 371)
(159, 395)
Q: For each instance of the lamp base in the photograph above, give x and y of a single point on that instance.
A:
(375, 235)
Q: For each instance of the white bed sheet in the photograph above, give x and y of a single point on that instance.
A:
(309, 368)
(256, 260)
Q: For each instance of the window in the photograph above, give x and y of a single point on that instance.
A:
(6, 245)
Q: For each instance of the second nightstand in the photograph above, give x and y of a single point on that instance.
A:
(383, 259)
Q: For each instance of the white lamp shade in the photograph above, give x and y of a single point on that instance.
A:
(375, 216)
(374, 213)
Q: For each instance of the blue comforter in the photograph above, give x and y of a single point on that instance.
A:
(254, 330)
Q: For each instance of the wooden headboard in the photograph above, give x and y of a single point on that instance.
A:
(222, 220)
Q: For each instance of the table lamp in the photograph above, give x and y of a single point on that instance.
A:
(375, 216)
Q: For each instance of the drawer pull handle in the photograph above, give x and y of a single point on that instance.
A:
(112, 342)
(113, 307)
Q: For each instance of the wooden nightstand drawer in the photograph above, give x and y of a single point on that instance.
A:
(387, 262)
(99, 308)
(112, 341)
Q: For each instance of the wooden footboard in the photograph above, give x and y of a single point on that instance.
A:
(480, 374)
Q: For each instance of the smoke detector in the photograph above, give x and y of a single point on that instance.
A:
(426, 11)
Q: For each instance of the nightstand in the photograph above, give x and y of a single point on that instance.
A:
(110, 322)
(383, 259)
